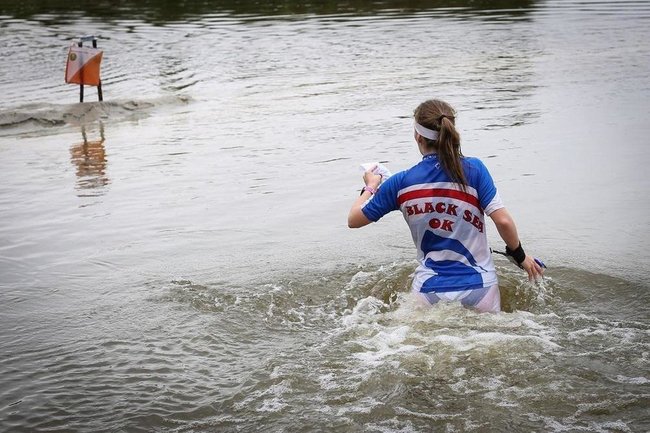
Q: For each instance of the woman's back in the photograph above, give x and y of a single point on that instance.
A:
(446, 220)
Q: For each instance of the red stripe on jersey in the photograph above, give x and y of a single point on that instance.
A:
(438, 192)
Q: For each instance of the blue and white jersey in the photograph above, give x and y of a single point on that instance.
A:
(447, 223)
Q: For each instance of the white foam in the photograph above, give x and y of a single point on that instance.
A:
(430, 416)
(474, 340)
(327, 381)
(364, 311)
(271, 397)
(632, 380)
(359, 278)
(576, 422)
(272, 405)
(363, 406)
(433, 336)
(392, 426)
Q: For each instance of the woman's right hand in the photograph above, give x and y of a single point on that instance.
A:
(371, 179)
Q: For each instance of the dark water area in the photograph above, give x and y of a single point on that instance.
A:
(162, 12)
(176, 257)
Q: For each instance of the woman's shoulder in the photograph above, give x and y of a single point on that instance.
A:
(475, 169)
(474, 162)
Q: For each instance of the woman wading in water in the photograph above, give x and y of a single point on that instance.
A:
(444, 199)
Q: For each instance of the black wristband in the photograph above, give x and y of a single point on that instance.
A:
(518, 254)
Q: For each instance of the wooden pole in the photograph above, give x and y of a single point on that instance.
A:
(100, 95)
(81, 86)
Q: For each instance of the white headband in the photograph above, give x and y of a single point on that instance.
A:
(425, 132)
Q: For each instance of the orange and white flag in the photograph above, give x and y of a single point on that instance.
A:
(83, 65)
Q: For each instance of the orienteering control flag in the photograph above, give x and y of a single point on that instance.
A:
(82, 66)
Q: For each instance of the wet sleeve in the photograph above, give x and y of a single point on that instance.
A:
(384, 201)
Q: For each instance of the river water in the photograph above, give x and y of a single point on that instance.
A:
(176, 258)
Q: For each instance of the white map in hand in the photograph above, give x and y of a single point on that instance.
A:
(380, 169)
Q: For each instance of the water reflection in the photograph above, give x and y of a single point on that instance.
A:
(89, 157)
(161, 11)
